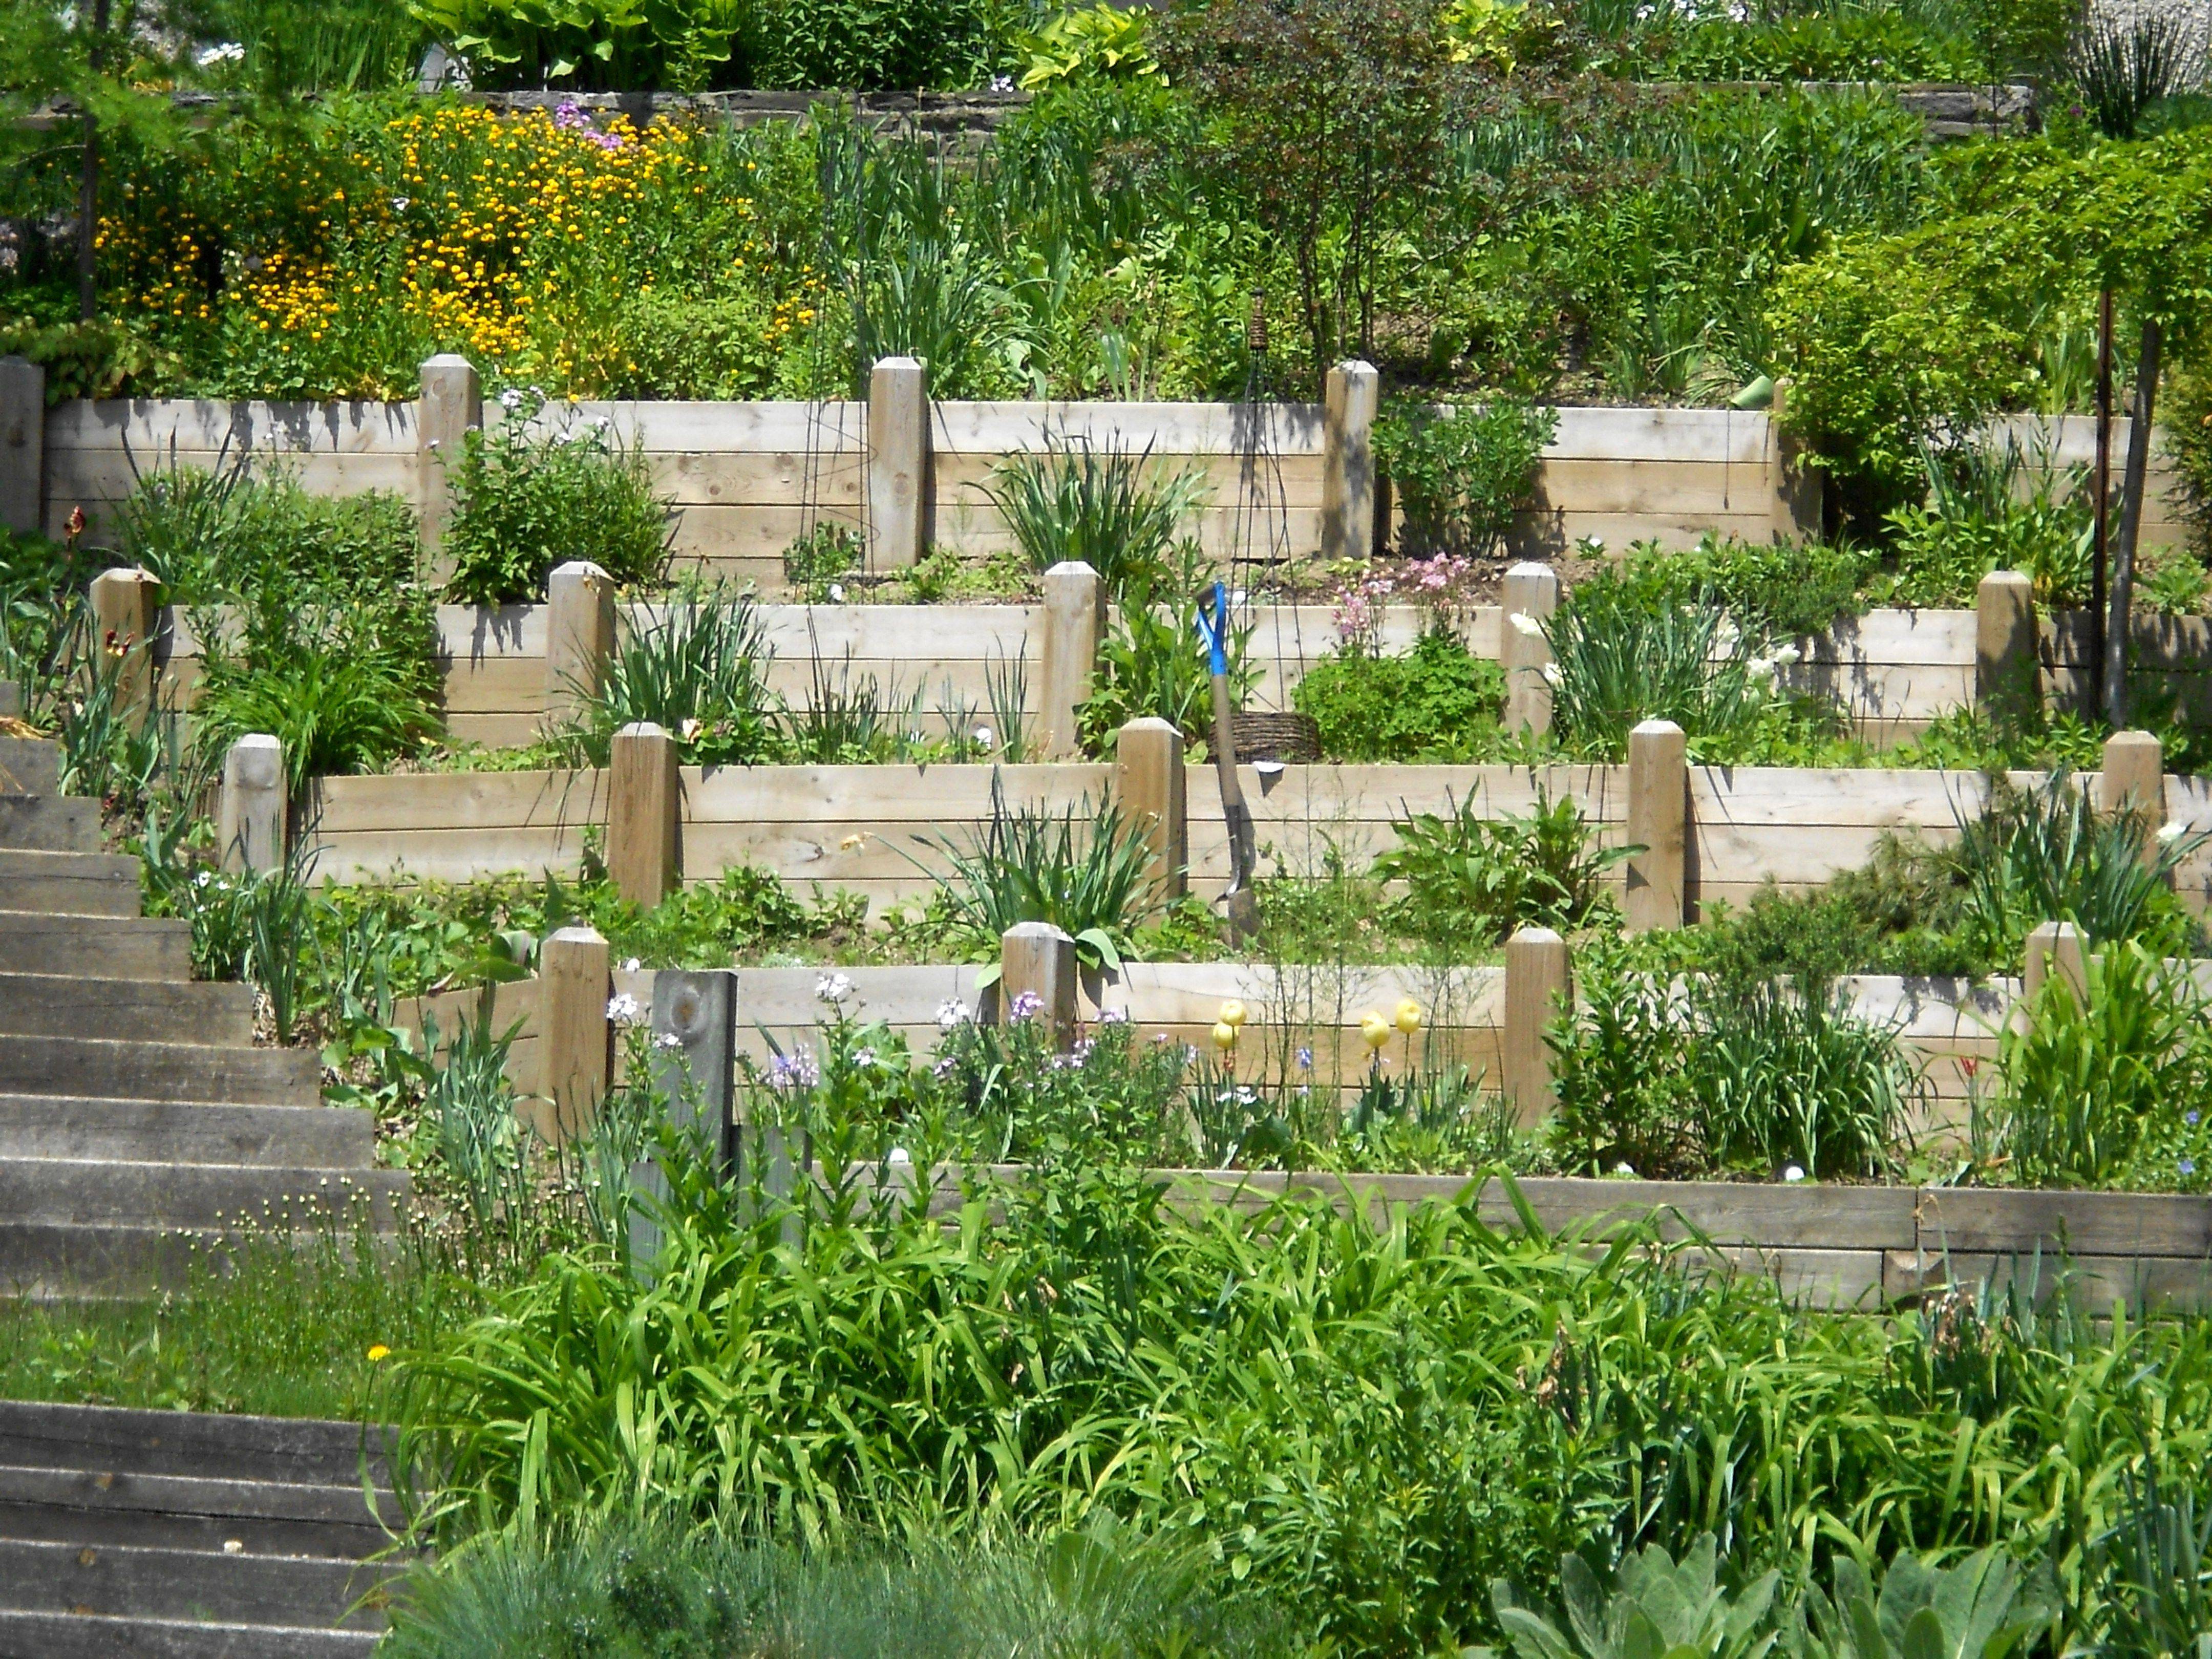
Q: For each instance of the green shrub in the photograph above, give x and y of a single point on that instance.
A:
(1978, 518)
(1438, 703)
(2090, 1086)
(1461, 476)
(1844, 45)
(698, 670)
(523, 504)
(1150, 664)
(1652, 1607)
(1472, 880)
(1981, 1608)
(592, 45)
(1114, 512)
(336, 706)
(230, 536)
(1781, 590)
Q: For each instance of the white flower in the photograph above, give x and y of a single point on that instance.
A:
(1624, 1168)
(668, 1040)
(1002, 84)
(228, 52)
(1524, 624)
(510, 399)
(629, 964)
(399, 204)
(1592, 546)
(953, 1012)
(833, 988)
(2166, 832)
(865, 1059)
(1725, 635)
(984, 736)
(1238, 598)
(1792, 1172)
(898, 1155)
(1551, 674)
(1113, 1016)
(1759, 668)
(836, 593)
(623, 1009)
(1785, 655)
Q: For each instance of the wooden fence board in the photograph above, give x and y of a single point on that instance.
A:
(2091, 1223)
(213, 425)
(456, 802)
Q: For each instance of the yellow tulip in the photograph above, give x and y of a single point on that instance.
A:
(1409, 1015)
(1232, 1013)
(1374, 1029)
(1225, 1035)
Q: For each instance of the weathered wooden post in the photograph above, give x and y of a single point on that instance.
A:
(1658, 821)
(579, 637)
(449, 405)
(2134, 781)
(1350, 399)
(1796, 509)
(898, 461)
(642, 811)
(1537, 978)
(1530, 595)
(2055, 947)
(250, 821)
(1074, 617)
(694, 1071)
(23, 445)
(1148, 785)
(125, 621)
(2007, 677)
(1037, 960)
(575, 1034)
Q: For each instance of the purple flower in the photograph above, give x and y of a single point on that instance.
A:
(794, 1071)
(1027, 1005)
(1305, 1059)
(2190, 1118)
(2189, 1166)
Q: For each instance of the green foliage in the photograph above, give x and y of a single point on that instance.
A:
(1113, 511)
(1653, 1610)
(1782, 590)
(335, 708)
(1150, 663)
(1715, 1075)
(284, 48)
(615, 45)
(2098, 1089)
(1472, 880)
(698, 669)
(1461, 476)
(1838, 45)
(42, 608)
(2187, 422)
(229, 536)
(1086, 43)
(1368, 1426)
(816, 564)
(2159, 1576)
(1093, 879)
(1978, 518)
(524, 503)
(1438, 703)
(627, 1588)
(1981, 1608)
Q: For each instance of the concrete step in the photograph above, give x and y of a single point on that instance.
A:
(82, 884)
(30, 766)
(103, 1193)
(50, 824)
(294, 1450)
(162, 1010)
(175, 1511)
(185, 1131)
(160, 1071)
(68, 1261)
(103, 947)
(130, 1581)
(71, 1636)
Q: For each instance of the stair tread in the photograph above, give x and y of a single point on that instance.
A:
(313, 1450)
(126, 945)
(39, 1635)
(188, 1496)
(64, 824)
(34, 1125)
(142, 1581)
(142, 1070)
(202, 1013)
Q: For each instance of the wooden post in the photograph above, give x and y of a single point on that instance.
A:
(1074, 616)
(1037, 960)
(579, 637)
(1658, 821)
(2006, 674)
(1149, 783)
(694, 1072)
(898, 462)
(2055, 947)
(1797, 509)
(573, 1031)
(1347, 475)
(642, 814)
(1530, 595)
(124, 619)
(449, 406)
(1537, 977)
(2134, 781)
(23, 445)
(250, 833)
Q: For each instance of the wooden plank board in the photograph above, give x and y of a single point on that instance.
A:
(2096, 1283)
(722, 427)
(900, 794)
(1225, 479)
(1742, 438)
(372, 857)
(779, 478)
(2083, 1224)
(1793, 797)
(1168, 429)
(1726, 1213)
(208, 425)
(456, 803)
(91, 476)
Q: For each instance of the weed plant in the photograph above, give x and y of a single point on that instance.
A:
(1782, 590)
(1115, 512)
(698, 669)
(526, 500)
(1461, 476)
(1472, 880)
(1149, 667)
(1437, 704)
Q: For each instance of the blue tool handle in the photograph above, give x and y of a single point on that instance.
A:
(1216, 628)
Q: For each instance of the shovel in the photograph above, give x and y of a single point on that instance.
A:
(1239, 904)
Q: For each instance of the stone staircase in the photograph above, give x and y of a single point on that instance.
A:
(135, 1115)
(172, 1535)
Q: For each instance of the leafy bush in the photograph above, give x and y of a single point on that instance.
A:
(1461, 476)
(1150, 664)
(1472, 880)
(1112, 511)
(524, 504)
(1438, 703)
(1981, 1608)
(336, 707)
(1977, 519)
(597, 45)
(1783, 591)
(1029, 864)
(699, 670)
(2090, 1087)
(230, 535)
(1653, 1606)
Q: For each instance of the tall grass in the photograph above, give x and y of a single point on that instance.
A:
(1618, 660)
(1113, 511)
(698, 670)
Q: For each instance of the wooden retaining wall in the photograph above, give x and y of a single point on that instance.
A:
(863, 827)
(748, 478)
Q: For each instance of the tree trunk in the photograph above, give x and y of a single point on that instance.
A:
(2117, 631)
(2101, 495)
(88, 192)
